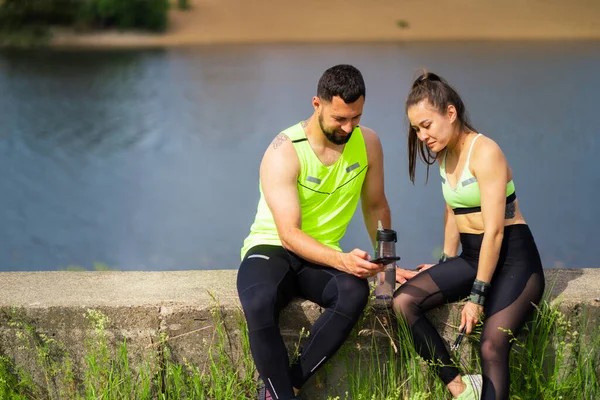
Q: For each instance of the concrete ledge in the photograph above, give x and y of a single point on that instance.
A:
(142, 305)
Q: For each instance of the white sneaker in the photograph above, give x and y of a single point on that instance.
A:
(473, 391)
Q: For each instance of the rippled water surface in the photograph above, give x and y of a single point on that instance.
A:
(148, 160)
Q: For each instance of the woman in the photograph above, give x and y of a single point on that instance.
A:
(499, 269)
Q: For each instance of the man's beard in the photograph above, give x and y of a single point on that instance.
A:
(332, 134)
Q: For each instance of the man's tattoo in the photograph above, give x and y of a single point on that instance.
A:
(278, 141)
(304, 123)
(510, 211)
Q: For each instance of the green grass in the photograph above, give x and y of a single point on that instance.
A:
(108, 374)
(389, 368)
(555, 358)
(558, 358)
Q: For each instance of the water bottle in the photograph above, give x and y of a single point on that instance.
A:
(386, 279)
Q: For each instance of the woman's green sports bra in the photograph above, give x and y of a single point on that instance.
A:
(465, 198)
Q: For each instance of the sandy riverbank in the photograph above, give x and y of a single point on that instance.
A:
(262, 21)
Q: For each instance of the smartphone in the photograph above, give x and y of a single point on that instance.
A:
(385, 260)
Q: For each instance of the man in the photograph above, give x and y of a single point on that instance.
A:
(311, 178)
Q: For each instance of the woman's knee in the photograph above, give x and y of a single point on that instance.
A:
(494, 349)
(405, 304)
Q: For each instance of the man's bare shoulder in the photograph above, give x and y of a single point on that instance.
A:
(281, 154)
(279, 141)
(372, 142)
(280, 144)
(368, 133)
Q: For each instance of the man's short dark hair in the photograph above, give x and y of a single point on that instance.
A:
(341, 80)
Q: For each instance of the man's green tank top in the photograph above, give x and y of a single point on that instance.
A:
(328, 195)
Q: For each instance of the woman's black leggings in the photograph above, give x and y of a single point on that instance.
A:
(268, 278)
(517, 284)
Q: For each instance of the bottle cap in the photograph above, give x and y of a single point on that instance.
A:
(386, 235)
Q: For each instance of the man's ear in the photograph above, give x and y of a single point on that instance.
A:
(316, 102)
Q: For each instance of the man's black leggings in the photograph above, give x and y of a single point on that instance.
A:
(268, 278)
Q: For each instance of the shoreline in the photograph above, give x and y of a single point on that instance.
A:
(132, 41)
(218, 22)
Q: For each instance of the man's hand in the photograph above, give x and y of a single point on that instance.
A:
(356, 263)
(471, 313)
(402, 275)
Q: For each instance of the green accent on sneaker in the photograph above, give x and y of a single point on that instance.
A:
(473, 390)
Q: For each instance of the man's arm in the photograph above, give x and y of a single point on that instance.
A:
(375, 206)
(279, 171)
(374, 203)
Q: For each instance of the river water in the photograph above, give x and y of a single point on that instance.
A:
(148, 160)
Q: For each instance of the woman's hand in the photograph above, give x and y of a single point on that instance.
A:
(402, 275)
(471, 313)
(423, 267)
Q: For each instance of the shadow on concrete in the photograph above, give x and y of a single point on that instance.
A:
(557, 280)
(298, 314)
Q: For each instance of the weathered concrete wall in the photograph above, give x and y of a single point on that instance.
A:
(142, 305)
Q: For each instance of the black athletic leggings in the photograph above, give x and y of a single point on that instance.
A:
(517, 284)
(268, 278)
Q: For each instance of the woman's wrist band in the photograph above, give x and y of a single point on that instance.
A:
(479, 291)
(445, 257)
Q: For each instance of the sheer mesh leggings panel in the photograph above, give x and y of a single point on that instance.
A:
(421, 294)
(496, 340)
